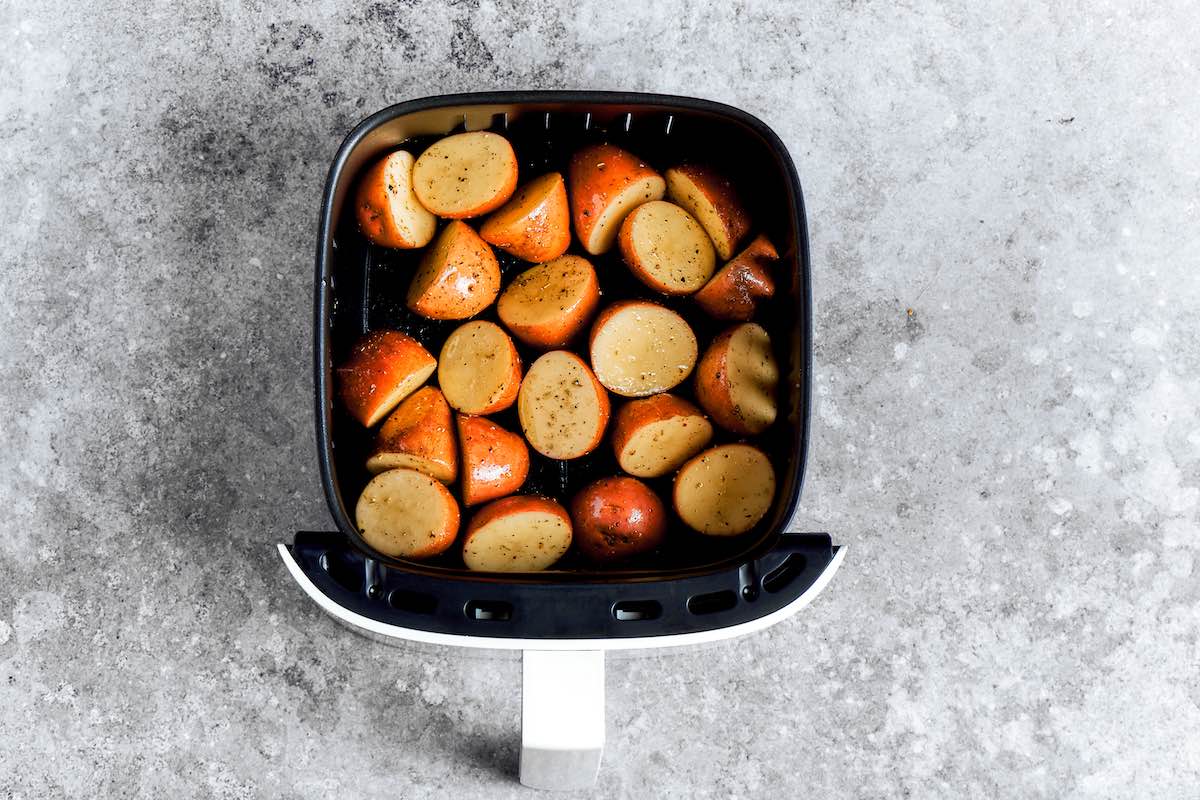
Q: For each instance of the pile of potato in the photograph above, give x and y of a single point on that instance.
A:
(638, 350)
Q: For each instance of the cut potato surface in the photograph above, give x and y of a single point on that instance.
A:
(711, 199)
(535, 224)
(384, 368)
(458, 276)
(417, 435)
(737, 379)
(517, 534)
(389, 213)
(726, 490)
(407, 514)
(606, 184)
(479, 369)
(466, 174)
(495, 460)
(562, 407)
(653, 436)
(666, 248)
(734, 292)
(546, 306)
(639, 348)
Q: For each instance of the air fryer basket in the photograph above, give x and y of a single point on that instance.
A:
(696, 583)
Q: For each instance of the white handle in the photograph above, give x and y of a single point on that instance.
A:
(562, 718)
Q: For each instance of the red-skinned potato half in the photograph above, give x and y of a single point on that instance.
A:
(495, 461)
(639, 348)
(736, 380)
(466, 174)
(458, 276)
(418, 435)
(616, 518)
(606, 183)
(479, 369)
(710, 198)
(523, 533)
(562, 407)
(546, 306)
(734, 292)
(535, 224)
(725, 490)
(388, 211)
(666, 249)
(653, 436)
(407, 514)
(383, 368)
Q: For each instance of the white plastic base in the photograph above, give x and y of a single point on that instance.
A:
(562, 718)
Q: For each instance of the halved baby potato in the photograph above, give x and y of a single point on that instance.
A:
(734, 292)
(666, 248)
(653, 436)
(725, 490)
(388, 210)
(495, 461)
(640, 348)
(606, 183)
(517, 534)
(383, 368)
(562, 407)
(479, 369)
(535, 224)
(407, 514)
(466, 174)
(737, 378)
(458, 276)
(547, 305)
(417, 435)
(710, 198)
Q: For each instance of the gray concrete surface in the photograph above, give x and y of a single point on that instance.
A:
(1014, 465)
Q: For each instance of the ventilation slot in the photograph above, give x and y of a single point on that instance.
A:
(778, 578)
(489, 610)
(412, 602)
(712, 603)
(633, 610)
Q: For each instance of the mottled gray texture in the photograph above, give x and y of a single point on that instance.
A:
(1014, 465)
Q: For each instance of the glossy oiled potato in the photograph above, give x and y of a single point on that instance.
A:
(615, 518)
(640, 348)
(606, 183)
(725, 490)
(479, 369)
(458, 276)
(417, 435)
(737, 378)
(407, 514)
(495, 461)
(388, 211)
(711, 199)
(666, 248)
(535, 224)
(652, 436)
(546, 306)
(466, 174)
(733, 293)
(562, 407)
(517, 534)
(383, 368)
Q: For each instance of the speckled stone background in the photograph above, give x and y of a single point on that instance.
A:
(1014, 466)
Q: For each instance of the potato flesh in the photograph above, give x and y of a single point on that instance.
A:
(476, 367)
(560, 407)
(406, 514)
(725, 491)
(682, 189)
(753, 376)
(671, 251)
(658, 448)
(604, 231)
(643, 349)
(524, 541)
(409, 384)
(413, 223)
(547, 293)
(466, 174)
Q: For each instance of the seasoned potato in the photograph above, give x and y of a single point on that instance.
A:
(383, 368)
(466, 174)
(388, 211)
(479, 369)
(711, 199)
(517, 534)
(606, 183)
(535, 224)
(737, 378)
(457, 278)
(417, 435)
(734, 292)
(666, 248)
(495, 461)
(652, 436)
(547, 305)
(615, 518)
(639, 348)
(562, 407)
(725, 490)
(407, 514)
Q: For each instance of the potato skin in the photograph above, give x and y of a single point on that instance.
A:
(495, 461)
(733, 221)
(733, 293)
(420, 428)
(373, 206)
(597, 175)
(616, 518)
(380, 361)
(713, 388)
(458, 276)
(551, 334)
(535, 224)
